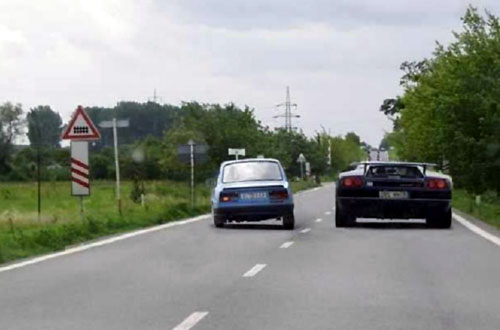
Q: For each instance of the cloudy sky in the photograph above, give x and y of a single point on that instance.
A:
(340, 57)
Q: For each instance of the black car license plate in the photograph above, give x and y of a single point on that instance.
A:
(393, 194)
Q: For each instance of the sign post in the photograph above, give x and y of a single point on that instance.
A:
(115, 124)
(301, 160)
(80, 130)
(236, 152)
(191, 154)
(191, 144)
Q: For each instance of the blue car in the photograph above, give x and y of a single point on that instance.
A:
(252, 190)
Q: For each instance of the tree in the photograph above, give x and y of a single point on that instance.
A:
(44, 127)
(10, 128)
(451, 111)
(353, 137)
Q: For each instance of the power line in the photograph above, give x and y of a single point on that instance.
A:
(288, 115)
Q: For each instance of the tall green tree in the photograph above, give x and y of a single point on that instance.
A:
(11, 124)
(450, 110)
(44, 127)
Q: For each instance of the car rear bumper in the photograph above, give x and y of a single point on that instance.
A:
(253, 212)
(400, 209)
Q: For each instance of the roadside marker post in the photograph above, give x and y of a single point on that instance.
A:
(80, 130)
(236, 152)
(191, 144)
(301, 160)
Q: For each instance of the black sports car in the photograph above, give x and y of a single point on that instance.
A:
(394, 190)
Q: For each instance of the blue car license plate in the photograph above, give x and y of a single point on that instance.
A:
(253, 195)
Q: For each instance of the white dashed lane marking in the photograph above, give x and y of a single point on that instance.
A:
(191, 321)
(319, 220)
(286, 245)
(306, 230)
(328, 212)
(255, 269)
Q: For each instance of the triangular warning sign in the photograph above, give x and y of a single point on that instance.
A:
(80, 127)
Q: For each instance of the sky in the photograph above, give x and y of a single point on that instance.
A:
(340, 58)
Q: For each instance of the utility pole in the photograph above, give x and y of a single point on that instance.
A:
(288, 115)
(114, 124)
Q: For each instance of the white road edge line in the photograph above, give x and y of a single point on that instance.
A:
(286, 245)
(255, 269)
(319, 220)
(472, 227)
(191, 321)
(306, 230)
(103, 242)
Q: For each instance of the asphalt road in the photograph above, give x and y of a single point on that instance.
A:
(374, 276)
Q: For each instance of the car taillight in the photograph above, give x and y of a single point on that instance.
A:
(436, 184)
(352, 182)
(278, 194)
(228, 197)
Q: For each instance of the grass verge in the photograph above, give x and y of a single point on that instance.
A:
(23, 235)
(488, 210)
(302, 185)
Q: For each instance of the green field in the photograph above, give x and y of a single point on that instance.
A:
(488, 210)
(22, 234)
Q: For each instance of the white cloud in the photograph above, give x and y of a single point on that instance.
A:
(341, 58)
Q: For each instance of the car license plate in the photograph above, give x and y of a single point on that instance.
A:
(253, 195)
(393, 194)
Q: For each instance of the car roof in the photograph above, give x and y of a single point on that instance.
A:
(361, 170)
(389, 163)
(246, 160)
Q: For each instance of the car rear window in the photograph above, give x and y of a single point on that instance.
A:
(251, 171)
(395, 171)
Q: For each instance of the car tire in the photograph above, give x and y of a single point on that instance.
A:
(288, 221)
(219, 221)
(440, 220)
(343, 220)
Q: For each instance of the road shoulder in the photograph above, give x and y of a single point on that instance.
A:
(481, 225)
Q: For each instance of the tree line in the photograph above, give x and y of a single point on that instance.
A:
(149, 146)
(449, 112)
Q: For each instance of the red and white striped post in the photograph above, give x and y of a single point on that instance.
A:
(80, 182)
(80, 130)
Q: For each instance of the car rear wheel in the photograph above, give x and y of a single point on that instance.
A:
(343, 220)
(288, 222)
(440, 220)
(219, 221)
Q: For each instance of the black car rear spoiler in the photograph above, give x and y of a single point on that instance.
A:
(378, 163)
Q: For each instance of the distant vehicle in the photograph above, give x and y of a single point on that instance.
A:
(394, 190)
(252, 190)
